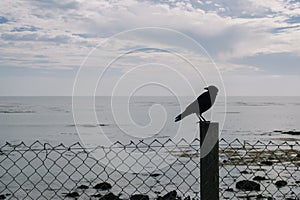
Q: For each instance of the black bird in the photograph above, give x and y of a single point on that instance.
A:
(201, 104)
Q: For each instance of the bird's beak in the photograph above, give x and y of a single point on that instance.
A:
(206, 88)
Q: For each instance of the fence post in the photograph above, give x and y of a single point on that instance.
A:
(209, 161)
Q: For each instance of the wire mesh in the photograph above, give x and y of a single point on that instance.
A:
(259, 170)
(140, 170)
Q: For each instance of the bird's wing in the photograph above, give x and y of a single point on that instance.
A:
(192, 108)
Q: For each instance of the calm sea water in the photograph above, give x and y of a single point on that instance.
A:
(51, 119)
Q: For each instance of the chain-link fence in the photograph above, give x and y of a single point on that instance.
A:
(156, 170)
(259, 170)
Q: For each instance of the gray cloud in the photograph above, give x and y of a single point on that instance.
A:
(3, 20)
(34, 37)
(273, 63)
(285, 28)
(25, 28)
(56, 4)
(293, 20)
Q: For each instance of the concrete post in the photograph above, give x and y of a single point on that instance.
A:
(209, 161)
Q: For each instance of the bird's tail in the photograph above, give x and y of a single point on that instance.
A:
(178, 118)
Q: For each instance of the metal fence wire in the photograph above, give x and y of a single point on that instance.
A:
(152, 170)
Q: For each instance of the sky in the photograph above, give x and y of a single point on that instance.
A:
(160, 47)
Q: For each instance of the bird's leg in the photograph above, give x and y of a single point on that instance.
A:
(202, 118)
(199, 116)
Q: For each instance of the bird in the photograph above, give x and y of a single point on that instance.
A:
(203, 103)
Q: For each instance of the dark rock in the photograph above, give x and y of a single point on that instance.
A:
(277, 131)
(103, 186)
(280, 183)
(245, 172)
(83, 187)
(169, 196)
(139, 197)
(259, 178)
(259, 169)
(103, 124)
(271, 198)
(155, 175)
(109, 196)
(72, 194)
(96, 195)
(229, 190)
(298, 155)
(291, 132)
(267, 162)
(260, 196)
(247, 197)
(187, 198)
(248, 185)
(297, 182)
(2, 196)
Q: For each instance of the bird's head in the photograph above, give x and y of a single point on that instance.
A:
(212, 89)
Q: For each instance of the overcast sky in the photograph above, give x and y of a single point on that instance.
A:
(254, 43)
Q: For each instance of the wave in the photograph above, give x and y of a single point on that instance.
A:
(241, 103)
(16, 111)
(87, 125)
(58, 109)
(230, 112)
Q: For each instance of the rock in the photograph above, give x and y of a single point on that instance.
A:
(298, 155)
(229, 190)
(248, 185)
(187, 198)
(297, 182)
(291, 132)
(280, 183)
(72, 194)
(271, 198)
(169, 196)
(271, 158)
(83, 187)
(277, 131)
(260, 196)
(266, 162)
(155, 175)
(2, 196)
(103, 186)
(139, 197)
(109, 196)
(103, 124)
(96, 195)
(259, 178)
(245, 172)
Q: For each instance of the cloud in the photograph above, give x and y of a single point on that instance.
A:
(275, 63)
(34, 37)
(25, 28)
(293, 20)
(56, 4)
(3, 20)
(281, 29)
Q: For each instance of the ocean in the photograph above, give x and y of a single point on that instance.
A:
(105, 120)
(156, 169)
